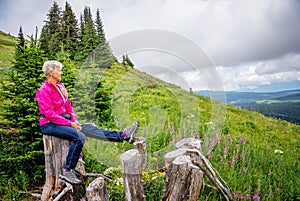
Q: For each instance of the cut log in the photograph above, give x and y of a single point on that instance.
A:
(132, 164)
(184, 179)
(97, 191)
(140, 144)
(56, 150)
(189, 143)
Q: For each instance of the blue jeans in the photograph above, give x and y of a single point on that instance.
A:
(78, 138)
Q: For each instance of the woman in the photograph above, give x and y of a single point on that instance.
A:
(59, 119)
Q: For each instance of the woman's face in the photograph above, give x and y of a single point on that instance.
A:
(56, 74)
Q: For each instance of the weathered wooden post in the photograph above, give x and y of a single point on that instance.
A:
(97, 191)
(56, 150)
(133, 162)
(184, 180)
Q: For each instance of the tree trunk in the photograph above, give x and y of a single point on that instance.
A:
(133, 162)
(184, 179)
(56, 151)
(97, 191)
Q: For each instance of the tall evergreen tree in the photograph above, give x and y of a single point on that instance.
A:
(51, 36)
(103, 54)
(21, 41)
(21, 139)
(99, 28)
(89, 36)
(70, 31)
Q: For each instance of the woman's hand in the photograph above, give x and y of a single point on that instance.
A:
(76, 126)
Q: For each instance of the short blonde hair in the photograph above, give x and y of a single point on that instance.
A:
(51, 65)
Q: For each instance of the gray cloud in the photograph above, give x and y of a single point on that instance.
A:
(237, 35)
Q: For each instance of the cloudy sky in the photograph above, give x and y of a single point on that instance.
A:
(253, 44)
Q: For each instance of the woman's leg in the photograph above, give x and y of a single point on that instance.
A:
(65, 132)
(90, 130)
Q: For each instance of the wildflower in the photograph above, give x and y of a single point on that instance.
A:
(209, 155)
(145, 175)
(233, 160)
(256, 197)
(235, 195)
(212, 144)
(241, 139)
(119, 181)
(229, 138)
(218, 140)
(276, 151)
(160, 174)
(82, 199)
(244, 170)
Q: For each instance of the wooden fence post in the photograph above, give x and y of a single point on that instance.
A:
(97, 191)
(133, 162)
(56, 150)
(184, 180)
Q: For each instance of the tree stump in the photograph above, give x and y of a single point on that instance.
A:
(56, 150)
(133, 162)
(97, 191)
(184, 179)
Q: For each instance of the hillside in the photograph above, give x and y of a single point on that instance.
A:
(242, 142)
(254, 154)
(7, 46)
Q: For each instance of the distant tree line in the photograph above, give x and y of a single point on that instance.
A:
(287, 111)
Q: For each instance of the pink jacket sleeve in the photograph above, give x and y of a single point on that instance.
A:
(46, 107)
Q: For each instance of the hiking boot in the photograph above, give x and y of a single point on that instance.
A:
(130, 131)
(70, 177)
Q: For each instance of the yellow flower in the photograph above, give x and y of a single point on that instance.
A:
(145, 175)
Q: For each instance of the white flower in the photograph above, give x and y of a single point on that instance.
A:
(277, 151)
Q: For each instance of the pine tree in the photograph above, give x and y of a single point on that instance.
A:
(88, 36)
(21, 41)
(103, 54)
(99, 28)
(70, 31)
(126, 61)
(51, 36)
(21, 139)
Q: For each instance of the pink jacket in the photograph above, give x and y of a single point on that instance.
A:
(52, 102)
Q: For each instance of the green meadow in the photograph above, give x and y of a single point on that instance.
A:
(257, 156)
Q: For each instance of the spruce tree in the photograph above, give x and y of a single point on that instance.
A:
(103, 54)
(51, 36)
(70, 31)
(88, 36)
(21, 139)
(21, 41)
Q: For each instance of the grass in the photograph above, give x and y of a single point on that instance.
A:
(243, 146)
(7, 48)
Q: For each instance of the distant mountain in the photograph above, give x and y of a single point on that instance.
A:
(283, 105)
